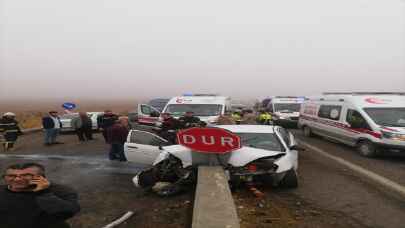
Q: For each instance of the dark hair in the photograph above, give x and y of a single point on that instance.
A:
(28, 165)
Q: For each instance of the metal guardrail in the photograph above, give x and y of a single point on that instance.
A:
(31, 130)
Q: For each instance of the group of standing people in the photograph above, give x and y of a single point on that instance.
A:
(170, 125)
(113, 128)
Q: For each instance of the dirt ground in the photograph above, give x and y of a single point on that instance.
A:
(282, 209)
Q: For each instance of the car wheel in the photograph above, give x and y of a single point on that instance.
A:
(290, 179)
(307, 131)
(145, 179)
(366, 149)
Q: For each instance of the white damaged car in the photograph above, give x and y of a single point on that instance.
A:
(268, 154)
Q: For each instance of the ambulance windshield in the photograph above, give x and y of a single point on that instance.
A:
(198, 109)
(287, 107)
(390, 117)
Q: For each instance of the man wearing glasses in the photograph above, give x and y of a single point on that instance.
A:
(29, 200)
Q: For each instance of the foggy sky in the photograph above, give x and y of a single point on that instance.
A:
(130, 48)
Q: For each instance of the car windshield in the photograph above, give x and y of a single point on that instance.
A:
(266, 141)
(392, 117)
(287, 107)
(159, 104)
(198, 109)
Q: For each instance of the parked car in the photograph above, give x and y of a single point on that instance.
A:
(268, 154)
(66, 120)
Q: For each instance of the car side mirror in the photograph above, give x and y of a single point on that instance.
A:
(297, 148)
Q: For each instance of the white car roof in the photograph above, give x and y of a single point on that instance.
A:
(248, 128)
(198, 100)
(366, 101)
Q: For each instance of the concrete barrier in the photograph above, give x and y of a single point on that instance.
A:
(213, 205)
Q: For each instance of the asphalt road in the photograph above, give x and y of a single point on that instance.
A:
(105, 188)
(334, 187)
(329, 195)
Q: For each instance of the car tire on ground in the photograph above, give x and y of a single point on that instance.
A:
(290, 180)
(366, 149)
(145, 179)
(307, 131)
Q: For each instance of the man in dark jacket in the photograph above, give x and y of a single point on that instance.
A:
(169, 128)
(117, 136)
(9, 127)
(52, 126)
(83, 126)
(189, 120)
(105, 121)
(30, 201)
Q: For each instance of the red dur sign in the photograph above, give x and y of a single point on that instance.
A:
(209, 140)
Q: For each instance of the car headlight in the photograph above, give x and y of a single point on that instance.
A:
(393, 136)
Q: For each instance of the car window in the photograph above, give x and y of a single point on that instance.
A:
(198, 109)
(330, 112)
(354, 117)
(284, 134)
(145, 109)
(145, 138)
(291, 107)
(266, 141)
(390, 117)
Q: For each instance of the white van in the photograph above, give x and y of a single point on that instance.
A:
(372, 122)
(205, 106)
(285, 109)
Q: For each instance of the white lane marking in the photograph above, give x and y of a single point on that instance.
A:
(393, 186)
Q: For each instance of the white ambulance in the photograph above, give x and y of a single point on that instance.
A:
(372, 122)
(208, 107)
(285, 110)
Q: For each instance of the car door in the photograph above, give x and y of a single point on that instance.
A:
(329, 125)
(143, 147)
(147, 114)
(357, 125)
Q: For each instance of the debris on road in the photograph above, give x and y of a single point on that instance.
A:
(120, 220)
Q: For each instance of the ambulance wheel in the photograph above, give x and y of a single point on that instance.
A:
(290, 180)
(366, 149)
(307, 131)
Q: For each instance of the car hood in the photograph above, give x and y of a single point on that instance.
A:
(237, 158)
(398, 130)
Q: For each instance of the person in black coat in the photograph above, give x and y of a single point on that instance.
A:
(52, 126)
(105, 121)
(10, 129)
(189, 120)
(30, 200)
